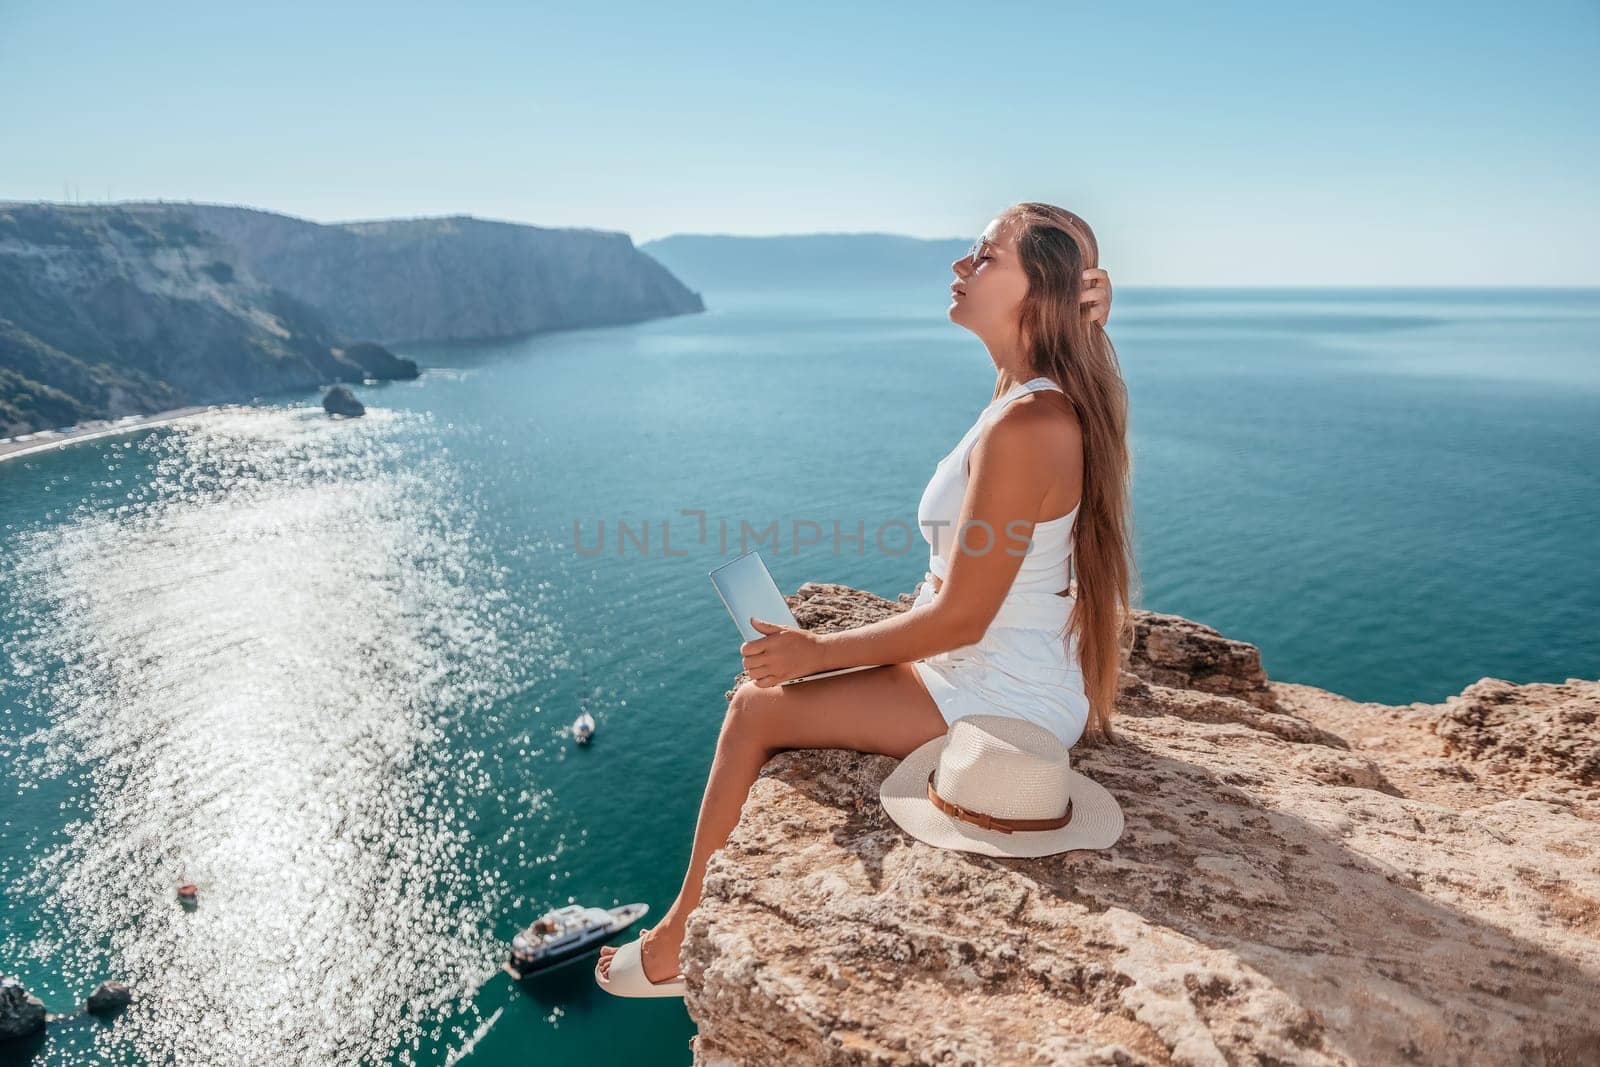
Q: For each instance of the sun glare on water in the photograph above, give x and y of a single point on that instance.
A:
(260, 675)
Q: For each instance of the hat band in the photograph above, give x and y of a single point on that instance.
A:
(994, 822)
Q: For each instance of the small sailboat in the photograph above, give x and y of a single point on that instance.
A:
(583, 728)
(583, 725)
(563, 934)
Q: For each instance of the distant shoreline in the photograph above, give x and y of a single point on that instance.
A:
(45, 440)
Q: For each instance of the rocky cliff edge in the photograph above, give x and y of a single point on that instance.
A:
(1304, 879)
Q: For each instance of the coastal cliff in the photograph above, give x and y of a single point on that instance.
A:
(1303, 879)
(108, 311)
(456, 278)
(105, 312)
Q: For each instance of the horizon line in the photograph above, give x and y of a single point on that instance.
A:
(638, 244)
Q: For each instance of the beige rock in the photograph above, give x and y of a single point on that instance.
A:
(1303, 879)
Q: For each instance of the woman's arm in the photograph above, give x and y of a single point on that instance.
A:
(1006, 487)
(1005, 490)
(789, 652)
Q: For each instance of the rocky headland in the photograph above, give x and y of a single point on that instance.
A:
(457, 278)
(1304, 879)
(128, 309)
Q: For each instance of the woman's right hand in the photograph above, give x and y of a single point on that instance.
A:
(1096, 295)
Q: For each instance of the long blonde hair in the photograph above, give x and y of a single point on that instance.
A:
(1055, 247)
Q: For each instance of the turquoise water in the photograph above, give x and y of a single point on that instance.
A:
(324, 668)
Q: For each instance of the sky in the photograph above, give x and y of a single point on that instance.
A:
(1206, 144)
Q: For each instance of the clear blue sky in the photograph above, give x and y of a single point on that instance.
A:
(1359, 143)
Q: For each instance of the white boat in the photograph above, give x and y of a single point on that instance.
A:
(583, 725)
(563, 934)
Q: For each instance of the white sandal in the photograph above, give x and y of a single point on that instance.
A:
(626, 978)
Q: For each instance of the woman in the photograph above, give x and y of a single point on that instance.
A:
(1036, 491)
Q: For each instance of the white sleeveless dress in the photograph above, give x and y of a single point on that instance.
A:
(1024, 665)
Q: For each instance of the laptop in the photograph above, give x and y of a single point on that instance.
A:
(746, 588)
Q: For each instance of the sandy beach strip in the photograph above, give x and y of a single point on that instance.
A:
(43, 440)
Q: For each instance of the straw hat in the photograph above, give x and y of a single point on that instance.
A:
(1000, 786)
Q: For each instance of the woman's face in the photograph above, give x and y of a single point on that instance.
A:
(989, 287)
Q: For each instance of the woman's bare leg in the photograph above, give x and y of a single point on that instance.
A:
(886, 710)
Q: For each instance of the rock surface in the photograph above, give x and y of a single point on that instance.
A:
(1303, 879)
(21, 1013)
(379, 362)
(108, 996)
(341, 401)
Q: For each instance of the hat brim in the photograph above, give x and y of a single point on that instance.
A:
(1096, 815)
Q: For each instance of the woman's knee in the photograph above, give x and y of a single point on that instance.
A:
(749, 711)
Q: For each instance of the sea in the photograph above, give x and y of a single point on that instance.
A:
(325, 668)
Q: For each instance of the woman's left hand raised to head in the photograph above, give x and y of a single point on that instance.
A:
(1096, 295)
(785, 652)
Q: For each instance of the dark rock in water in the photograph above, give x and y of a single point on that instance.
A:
(109, 997)
(378, 362)
(21, 1013)
(341, 401)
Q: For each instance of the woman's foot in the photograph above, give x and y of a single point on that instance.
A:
(658, 951)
